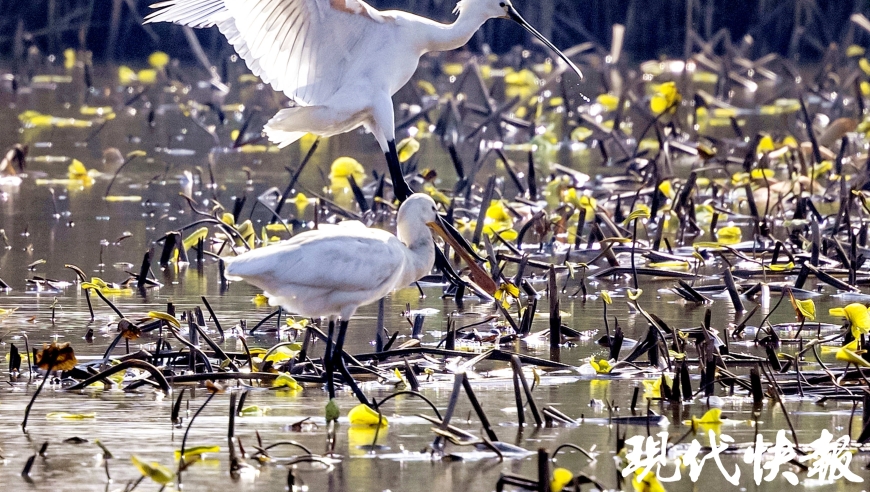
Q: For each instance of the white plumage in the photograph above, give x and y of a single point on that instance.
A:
(339, 61)
(334, 270)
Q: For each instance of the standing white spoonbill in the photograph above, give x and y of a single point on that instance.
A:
(333, 271)
(339, 61)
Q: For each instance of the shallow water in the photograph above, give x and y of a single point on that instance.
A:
(78, 227)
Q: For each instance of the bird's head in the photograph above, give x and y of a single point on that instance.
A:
(503, 9)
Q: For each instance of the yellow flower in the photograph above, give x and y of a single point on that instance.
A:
(505, 292)
(344, 167)
(605, 296)
(667, 98)
(284, 380)
(155, 471)
(652, 388)
(857, 316)
(712, 420)
(765, 144)
(640, 211)
(561, 478)
(850, 353)
(406, 149)
(608, 101)
(729, 235)
(602, 366)
(366, 416)
(158, 59)
(806, 307)
(634, 294)
(646, 482)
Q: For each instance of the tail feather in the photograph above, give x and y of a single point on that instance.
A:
(289, 125)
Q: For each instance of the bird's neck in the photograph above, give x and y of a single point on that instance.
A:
(422, 256)
(445, 37)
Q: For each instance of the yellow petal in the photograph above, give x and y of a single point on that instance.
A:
(561, 478)
(196, 452)
(158, 59)
(286, 381)
(365, 415)
(172, 320)
(155, 471)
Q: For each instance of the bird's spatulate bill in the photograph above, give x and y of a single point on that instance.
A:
(478, 275)
(516, 17)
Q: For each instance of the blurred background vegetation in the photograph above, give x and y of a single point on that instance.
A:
(799, 29)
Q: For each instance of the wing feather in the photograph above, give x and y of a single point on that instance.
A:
(349, 261)
(300, 47)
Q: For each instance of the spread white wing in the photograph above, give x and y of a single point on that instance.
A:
(300, 47)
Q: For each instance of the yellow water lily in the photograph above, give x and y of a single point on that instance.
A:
(521, 83)
(35, 119)
(854, 50)
(652, 388)
(729, 235)
(605, 296)
(106, 288)
(602, 366)
(158, 59)
(779, 267)
(286, 381)
(78, 172)
(498, 219)
(71, 416)
(365, 415)
(406, 149)
(342, 169)
(666, 98)
(711, 420)
(640, 211)
(193, 239)
(507, 291)
(196, 452)
(254, 411)
(155, 471)
(646, 482)
(671, 265)
(561, 478)
(857, 316)
(850, 353)
(805, 308)
(608, 101)
(172, 320)
(634, 294)
(765, 144)
(281, 354)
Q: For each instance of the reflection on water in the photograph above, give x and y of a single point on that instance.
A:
(70, 223)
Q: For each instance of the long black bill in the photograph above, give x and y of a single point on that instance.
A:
(516, 17)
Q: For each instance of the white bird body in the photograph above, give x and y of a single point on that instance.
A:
(333, 271)
(339, 61)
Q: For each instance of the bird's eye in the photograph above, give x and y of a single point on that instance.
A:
(501, 4)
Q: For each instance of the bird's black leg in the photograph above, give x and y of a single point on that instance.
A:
(338, 361)
(400, 187)
(328, 361)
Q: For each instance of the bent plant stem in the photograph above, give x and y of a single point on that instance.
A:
(181, 463)
(33, 399)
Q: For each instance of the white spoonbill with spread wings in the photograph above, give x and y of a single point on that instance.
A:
(339, 61)
(333, 271)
